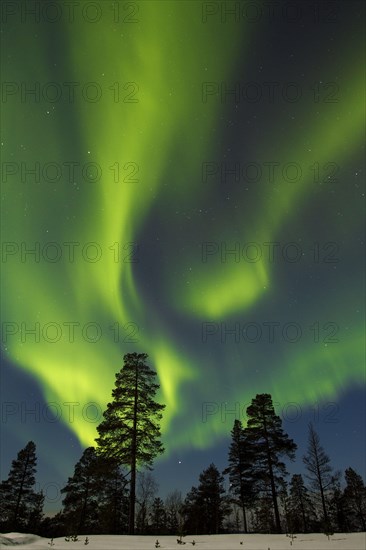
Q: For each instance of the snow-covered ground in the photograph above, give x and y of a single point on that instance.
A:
(316, 541)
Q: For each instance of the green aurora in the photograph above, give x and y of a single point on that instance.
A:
(167, 134)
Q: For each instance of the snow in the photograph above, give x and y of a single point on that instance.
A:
(315, 541)
(14, 539)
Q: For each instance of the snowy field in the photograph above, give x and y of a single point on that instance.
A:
(339, 541)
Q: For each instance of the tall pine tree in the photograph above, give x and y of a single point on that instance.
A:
(268, 443)
(17, 493)
(95, 496)
(113, 499)
(355, 499)
(206, 506)
(239, 470)
(130, 431)
(81, 497)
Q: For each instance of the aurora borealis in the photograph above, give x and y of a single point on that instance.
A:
(116, 172)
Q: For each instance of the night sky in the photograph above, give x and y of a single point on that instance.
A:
(191, 184)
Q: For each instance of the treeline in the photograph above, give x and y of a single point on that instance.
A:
(112, 490)
(96, 501)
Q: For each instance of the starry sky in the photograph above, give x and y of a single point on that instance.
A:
(185, 182)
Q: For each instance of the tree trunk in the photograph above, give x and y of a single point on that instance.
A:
(274, 499)
(244, 516)
(273, 485)
(131, 522)
(321, 490)
(83, 509)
